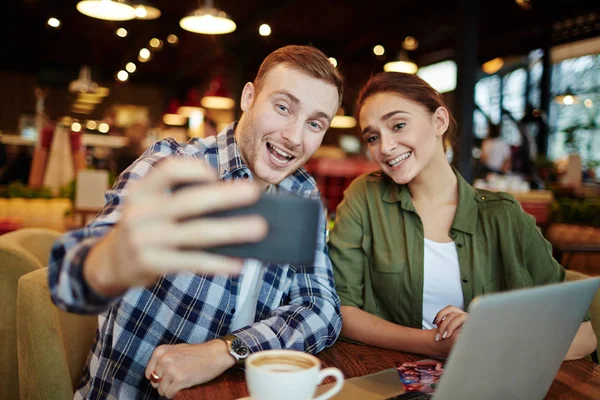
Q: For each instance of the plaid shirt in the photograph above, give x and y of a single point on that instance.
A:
(297, 307)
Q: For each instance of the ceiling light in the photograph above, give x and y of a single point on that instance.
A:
(218, 102)
(103, 127)
(146, 10)
(122, 75)
(130, 67)
(172, 39)
(208, 21)
(89, 98)
(156, 43)
(567, 98)
(174, 119)
(76, 127)
(122, 32)
(264, 30)
(84, 83)
(407, 67)
(588, 103)
(91, 125)
(84, 106)
(102, 91)
(333, 61)
(403, 64)
(379, 50)
(53, 22)
(144, 55)
(493, 66)
(111, 10)
(343, 122)
(217, 97)
(410, 43)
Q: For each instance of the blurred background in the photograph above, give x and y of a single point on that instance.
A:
(88, 85)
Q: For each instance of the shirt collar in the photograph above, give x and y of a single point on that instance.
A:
(465, 219)
(230, 158)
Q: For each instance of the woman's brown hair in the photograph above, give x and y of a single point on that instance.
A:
(413, 88)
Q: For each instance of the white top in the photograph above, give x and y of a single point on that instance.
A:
(250, 283)
(496, 151)
(441, 280)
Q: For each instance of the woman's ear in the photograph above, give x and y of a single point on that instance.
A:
(247, 97)
(441, 120)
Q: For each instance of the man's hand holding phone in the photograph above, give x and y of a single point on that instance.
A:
(155, 226)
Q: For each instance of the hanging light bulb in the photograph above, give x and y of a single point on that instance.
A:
(110, 10)
(217, 97)
(342, 121)
(145, 10)
(567, 98)
(402, 65)
(208, 20)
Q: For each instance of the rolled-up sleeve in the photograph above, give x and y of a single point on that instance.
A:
(68, 288)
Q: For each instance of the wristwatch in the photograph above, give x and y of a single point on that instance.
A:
(236, 347)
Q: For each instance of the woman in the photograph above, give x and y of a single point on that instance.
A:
(415, 243)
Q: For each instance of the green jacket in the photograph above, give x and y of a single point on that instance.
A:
(376, 247)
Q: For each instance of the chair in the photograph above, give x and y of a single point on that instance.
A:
(21, 252)
(53, 345)
(594, 308)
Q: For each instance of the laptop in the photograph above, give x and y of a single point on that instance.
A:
(511, 347)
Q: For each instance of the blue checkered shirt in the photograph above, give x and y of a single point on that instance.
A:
(297, 307)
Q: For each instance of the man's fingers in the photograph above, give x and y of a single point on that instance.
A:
(173, 389)
(164, 384)
(204, 199)
(152, 363)
(169, 173)
(168, 261)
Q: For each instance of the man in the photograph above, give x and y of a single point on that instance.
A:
(172, 319)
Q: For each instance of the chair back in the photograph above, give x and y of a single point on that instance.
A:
(53, 345)
(21, 252)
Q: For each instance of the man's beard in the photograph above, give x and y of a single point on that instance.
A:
(247, 140)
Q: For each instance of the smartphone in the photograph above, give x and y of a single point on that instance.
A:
(293, 229)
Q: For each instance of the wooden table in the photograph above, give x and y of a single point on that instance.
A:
(576, 379)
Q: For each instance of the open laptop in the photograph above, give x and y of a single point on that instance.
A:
(511, 347)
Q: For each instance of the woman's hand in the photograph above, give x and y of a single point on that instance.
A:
(449, 320)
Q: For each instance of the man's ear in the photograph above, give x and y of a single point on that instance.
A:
(247, 96)
(441, 120)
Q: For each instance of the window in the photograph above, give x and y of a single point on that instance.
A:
(576, 127)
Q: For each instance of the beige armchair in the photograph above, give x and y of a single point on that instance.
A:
(53, 345)
(21, 252)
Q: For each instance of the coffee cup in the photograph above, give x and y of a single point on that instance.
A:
(289, 375)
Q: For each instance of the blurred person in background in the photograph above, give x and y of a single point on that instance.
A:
(495, 152)
(414, 243)
(171, 319)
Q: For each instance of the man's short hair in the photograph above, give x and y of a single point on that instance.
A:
(307, 59)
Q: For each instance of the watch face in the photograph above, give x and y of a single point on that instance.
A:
(239, 348)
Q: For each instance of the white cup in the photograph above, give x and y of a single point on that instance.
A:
(288, 375)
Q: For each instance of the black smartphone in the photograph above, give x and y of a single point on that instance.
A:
(293, 229)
